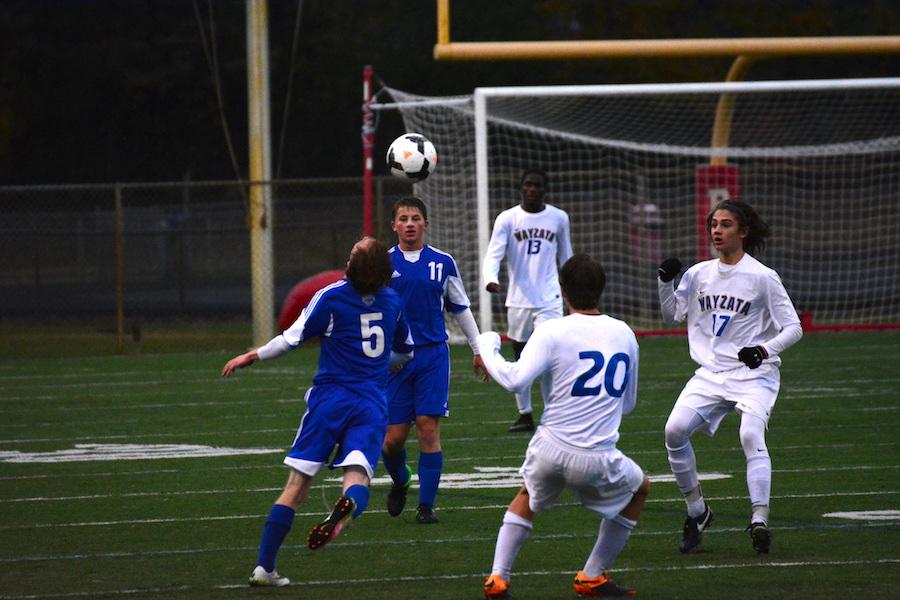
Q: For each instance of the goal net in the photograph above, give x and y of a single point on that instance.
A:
(637, 167)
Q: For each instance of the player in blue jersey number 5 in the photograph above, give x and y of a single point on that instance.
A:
(363, 332)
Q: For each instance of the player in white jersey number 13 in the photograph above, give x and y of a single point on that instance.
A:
(534, 237)
(593, 363)
(739, 320)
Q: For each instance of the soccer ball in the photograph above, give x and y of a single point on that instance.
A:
(411, 156)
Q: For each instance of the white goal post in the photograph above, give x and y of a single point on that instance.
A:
(638, 166)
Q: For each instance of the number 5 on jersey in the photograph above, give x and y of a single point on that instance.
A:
(372, 334)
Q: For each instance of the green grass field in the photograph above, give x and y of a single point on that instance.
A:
(174, 528)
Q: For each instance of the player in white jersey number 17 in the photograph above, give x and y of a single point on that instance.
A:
(740, 319)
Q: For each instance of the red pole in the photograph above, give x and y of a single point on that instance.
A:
(368, 141)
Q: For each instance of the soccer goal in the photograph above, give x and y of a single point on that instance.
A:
(637, 168)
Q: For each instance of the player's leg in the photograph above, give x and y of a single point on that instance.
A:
(313, 443)
(520, 325)
(614, 533)
(277, 526)
(401, 412)
(682, 423)
(349, 506)
(431, 465)
(525, 420)
(393, 453)
(514, 532)
(544, 482)
(432, 394)
(759, 479)
(360, 444)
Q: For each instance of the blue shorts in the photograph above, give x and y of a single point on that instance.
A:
(422, 386)
(336, 416)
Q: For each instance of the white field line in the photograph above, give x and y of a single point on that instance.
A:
(319, 513)
(271, 490)
(124, 394)
(868, 427)
(346, 544)
(512, 457)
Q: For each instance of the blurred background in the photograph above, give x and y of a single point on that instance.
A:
(135, 113)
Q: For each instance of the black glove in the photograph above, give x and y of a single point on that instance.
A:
(753, 356)
(669, 269)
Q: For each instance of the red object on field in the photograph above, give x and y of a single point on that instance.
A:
(714, 183)
(302, 293)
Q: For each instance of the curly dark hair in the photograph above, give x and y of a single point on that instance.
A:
(369, 268)
(747, 218)
(582, 279)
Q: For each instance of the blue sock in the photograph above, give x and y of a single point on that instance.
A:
(360, 495)
(430, 466)
(277, 526)
(396, 466)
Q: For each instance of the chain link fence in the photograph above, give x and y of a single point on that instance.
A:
(184, 246)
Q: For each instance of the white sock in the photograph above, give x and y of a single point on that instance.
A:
(695, 503)
(613, 535)
(684, 468)
(760, 515)
(759, 464)
(759, 480)
(513, 533)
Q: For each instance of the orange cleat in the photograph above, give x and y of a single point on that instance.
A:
(496, 587)
(601, 586)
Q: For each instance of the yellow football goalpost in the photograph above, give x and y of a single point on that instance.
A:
(746, 51)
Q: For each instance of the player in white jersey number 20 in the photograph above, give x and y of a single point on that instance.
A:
(593, 362)
(739, 319)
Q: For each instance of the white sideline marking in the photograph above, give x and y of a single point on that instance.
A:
(866, 515)
(347, 545)
(506, 477)
(278, 489)
(870, 428)
(95, 452)
(473, 576)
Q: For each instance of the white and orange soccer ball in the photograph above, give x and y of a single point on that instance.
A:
(411, 156)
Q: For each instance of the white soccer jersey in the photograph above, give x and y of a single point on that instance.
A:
(727, 308)
(534, 244)
(593, 364)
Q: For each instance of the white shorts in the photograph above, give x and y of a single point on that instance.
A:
(520, 322)
(744, 390)
(604, 481)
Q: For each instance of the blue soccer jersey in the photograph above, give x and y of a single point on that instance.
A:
(357, 335)
(428, 282)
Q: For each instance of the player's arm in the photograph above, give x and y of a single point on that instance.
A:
(402, 347)
(785, 316)
(457, 304)
(274, 348)
(466, 321)
(629, 398)
(490, 266)
(564, 244)
(668, 301)
(515, 376)
(312, 322)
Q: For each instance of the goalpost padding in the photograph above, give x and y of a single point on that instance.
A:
(634, 167)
